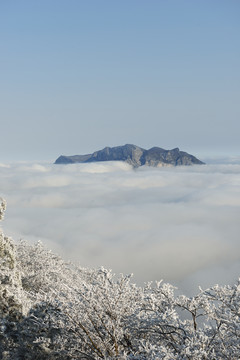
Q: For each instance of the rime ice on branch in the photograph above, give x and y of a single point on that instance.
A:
(2, 208)
(11, 293)
(7, 248)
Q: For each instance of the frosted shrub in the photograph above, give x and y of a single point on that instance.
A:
(13, 300)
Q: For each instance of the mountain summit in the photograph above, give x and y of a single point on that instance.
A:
(134, 156)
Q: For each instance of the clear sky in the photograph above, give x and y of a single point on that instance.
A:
(76, 76)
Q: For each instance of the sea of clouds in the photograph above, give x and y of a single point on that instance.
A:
(179, 224)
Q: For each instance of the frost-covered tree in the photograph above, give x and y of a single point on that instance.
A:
(52, 309)
(13, 300)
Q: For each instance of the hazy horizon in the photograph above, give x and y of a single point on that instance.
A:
(208, 157)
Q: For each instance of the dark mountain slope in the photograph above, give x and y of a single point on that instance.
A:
(135, 156)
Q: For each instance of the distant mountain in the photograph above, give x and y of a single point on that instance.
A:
(134, 156)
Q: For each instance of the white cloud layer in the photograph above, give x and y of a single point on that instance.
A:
(177, 224)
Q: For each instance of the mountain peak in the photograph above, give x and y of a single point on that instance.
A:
(135, 156)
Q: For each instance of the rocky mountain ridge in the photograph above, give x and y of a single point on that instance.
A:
(135, 156)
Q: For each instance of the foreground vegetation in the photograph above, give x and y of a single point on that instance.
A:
(51, 309)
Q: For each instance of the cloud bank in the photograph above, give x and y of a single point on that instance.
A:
(177, 224)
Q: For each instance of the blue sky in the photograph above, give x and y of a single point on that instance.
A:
(80, 75)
